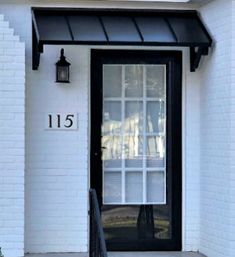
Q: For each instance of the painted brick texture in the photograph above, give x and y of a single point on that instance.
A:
(57, 169)
(191, 159)
(216, 135)
(232, 147)
(12, 145)
(57, 161)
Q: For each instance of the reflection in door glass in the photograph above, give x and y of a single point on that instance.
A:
(111, 117)
(155, 117)
(133, 153)
(112, 187)
(133, 133)
(133, 80)
(132, 222)
(112, 151)
(133, 119)
(155, 151)
(112, 80)
(134, 187)
(155, 81)
(155, 186)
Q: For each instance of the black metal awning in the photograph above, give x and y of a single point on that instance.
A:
(119, 27)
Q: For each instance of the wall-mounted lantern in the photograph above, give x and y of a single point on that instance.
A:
(62, 69)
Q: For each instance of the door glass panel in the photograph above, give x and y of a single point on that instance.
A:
(112, 80)
(155, 118)
(128, 222)
(155, 151)
(155, 81)
(111, 151)
(111, 117)
(112, 187)
(155, 186)
(134, 117)
(133, 133)
(134, 151)
(134, 187)
(133, 80)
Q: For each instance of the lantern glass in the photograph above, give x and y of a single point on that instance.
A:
(62, 74)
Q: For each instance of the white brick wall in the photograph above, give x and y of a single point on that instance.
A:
(216, 142)
(45, 171)
(57, 161)
(232, 146)
(12, 146)
(57, 172)
(191, 159)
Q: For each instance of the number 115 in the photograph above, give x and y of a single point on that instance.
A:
(60, 121)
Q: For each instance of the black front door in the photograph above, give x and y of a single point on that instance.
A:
(136, 147)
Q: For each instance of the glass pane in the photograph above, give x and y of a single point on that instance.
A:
(155, 187)
(130, 223)
(155, 81)
(112, 80)
(111, 151)
(62, 73)
(134, 117)
(112, 187)
(133, 80)
(133, 151)
(111, 117)
(155, 117)
(134, 187)
(155, 151)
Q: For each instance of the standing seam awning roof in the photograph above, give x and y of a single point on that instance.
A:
(119, 27)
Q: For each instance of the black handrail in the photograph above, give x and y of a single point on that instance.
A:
(97, 241)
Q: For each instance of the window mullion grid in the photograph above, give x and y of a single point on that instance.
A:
(144, 137)
(123, 135)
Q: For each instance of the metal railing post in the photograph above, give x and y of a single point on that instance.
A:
(97, 241)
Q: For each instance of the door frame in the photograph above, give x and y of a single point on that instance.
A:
(173, 61)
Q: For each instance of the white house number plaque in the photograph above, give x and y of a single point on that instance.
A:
(62, 121)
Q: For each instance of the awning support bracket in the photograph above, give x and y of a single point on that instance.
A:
(36, 53)
(37, 48)
(196, 54)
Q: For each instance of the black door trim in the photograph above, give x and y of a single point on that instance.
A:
(173, 62)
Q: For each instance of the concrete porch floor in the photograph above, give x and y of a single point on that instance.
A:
(122, 254)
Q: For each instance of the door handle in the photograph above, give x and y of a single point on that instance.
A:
(102, 148)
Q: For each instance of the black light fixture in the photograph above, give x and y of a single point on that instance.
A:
(62, 69)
